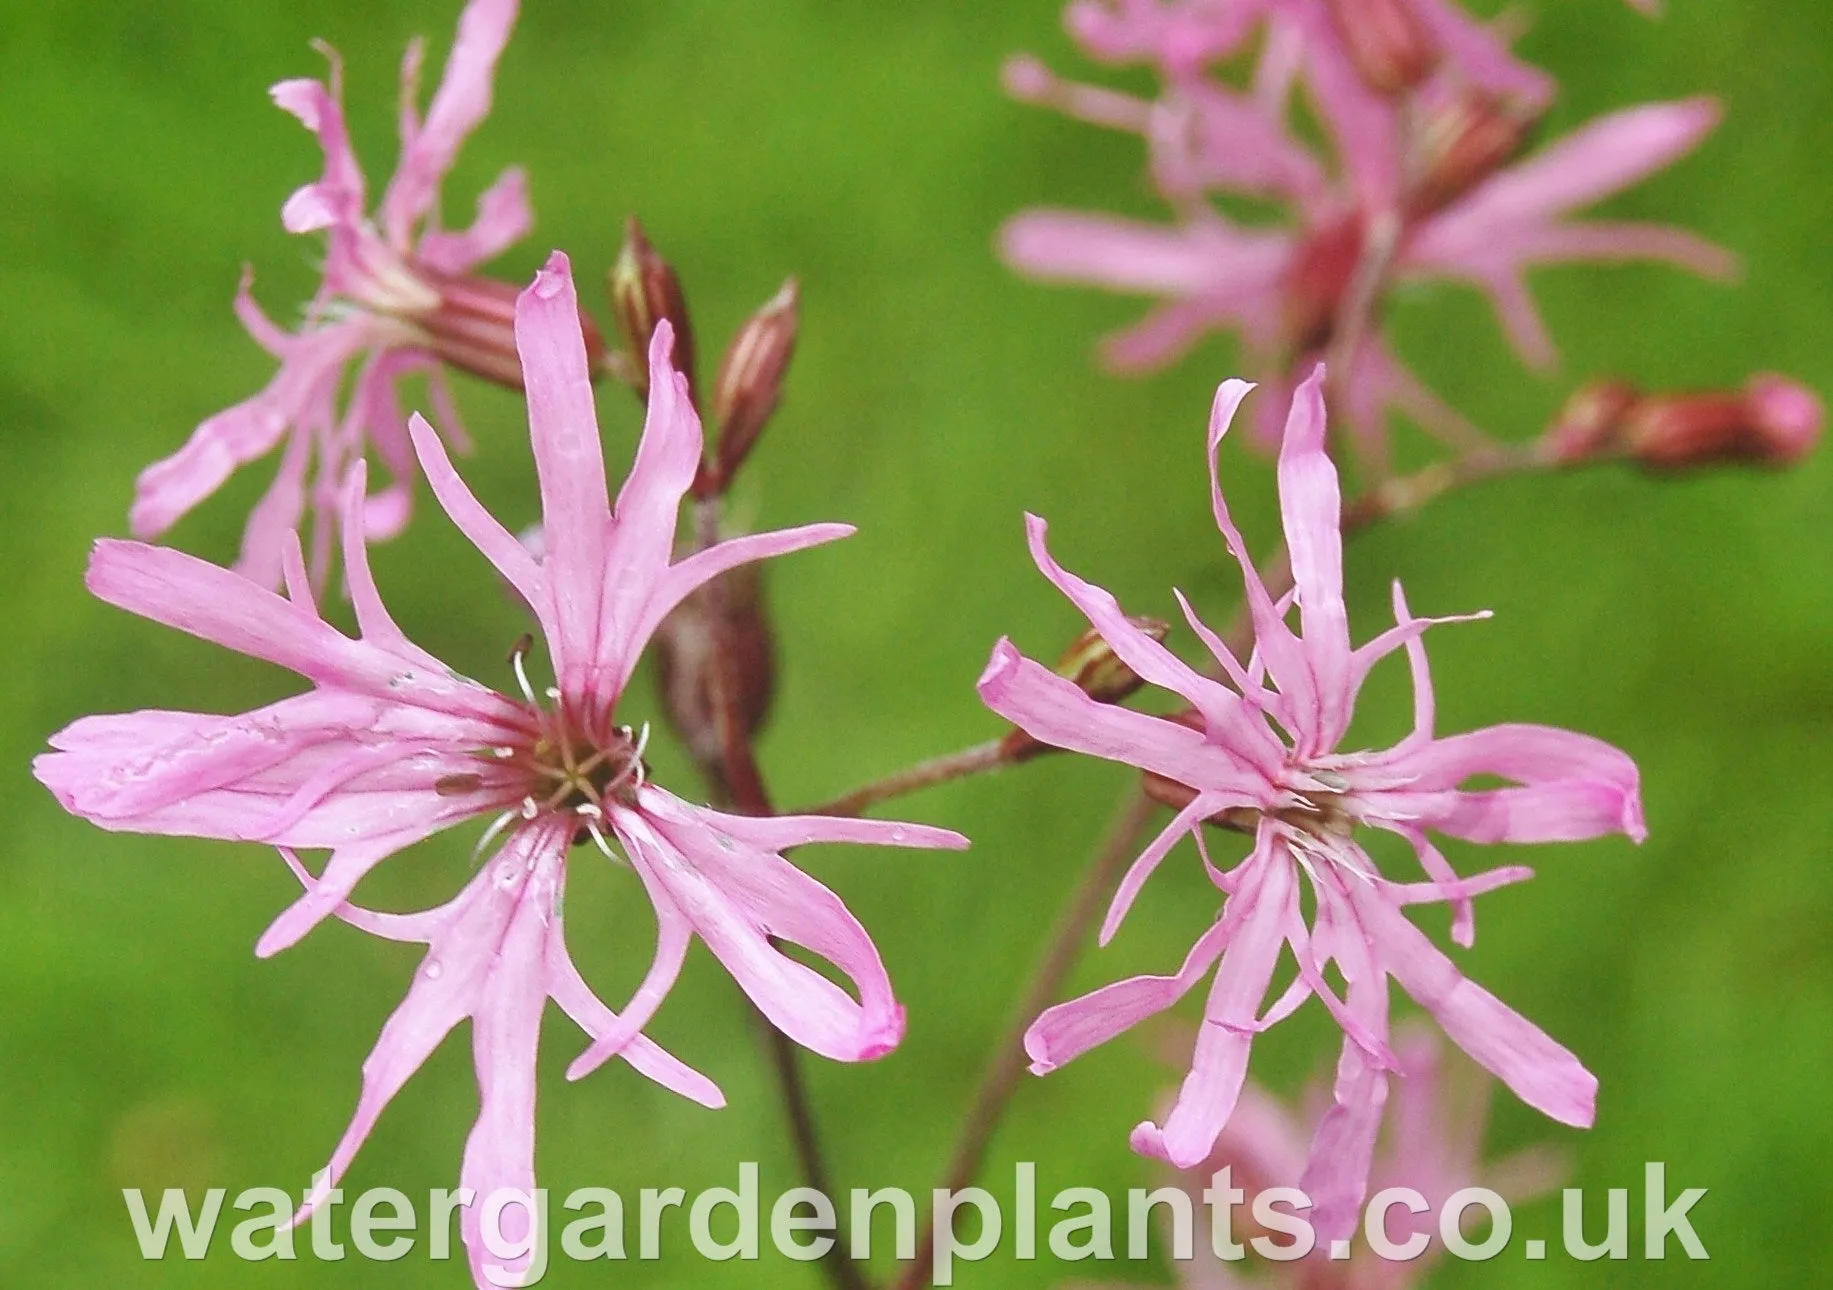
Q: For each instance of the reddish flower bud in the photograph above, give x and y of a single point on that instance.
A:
(1772, 422)
(1390, 47)
(750, 381)
(1460, 139)
(1590, 422)
(1097, 671)
(644, 290)
(716, 663)
(1315, 281)
(472, 327)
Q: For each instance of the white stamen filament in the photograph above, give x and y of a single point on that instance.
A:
(528, 691)
(491, 834)
(603, 845)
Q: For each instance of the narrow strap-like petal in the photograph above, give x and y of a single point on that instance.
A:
(1343, 1148)
(1222, 708)
(1573, 786)
(679, 581)
(576, 999)
(1281, 651)
(1066, 1031)
(1219, 1062)
(642, 533)
(736, 900)
(1186, 820)
(1052, 710)
(778, 833)
(459, 104)
(503, 218)
(169, 488)
(1507, 1045)
(1311, 509)
(498, 544)
(505, 1039)
(570, 461)
(673, 935)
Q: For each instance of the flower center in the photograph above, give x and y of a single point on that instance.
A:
(1320, 807)
(568, 770)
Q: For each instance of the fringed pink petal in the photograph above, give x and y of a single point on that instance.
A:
(569, 459)
(1052, 710)
(459, 104)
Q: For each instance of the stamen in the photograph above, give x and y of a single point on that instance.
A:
(603, 845)
(491, 834)
(530, 808)
(517, 654)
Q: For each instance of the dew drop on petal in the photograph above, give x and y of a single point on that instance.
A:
(433, 969)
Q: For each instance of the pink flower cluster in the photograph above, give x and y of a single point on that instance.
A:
(1424, 110)
(1431, 1143)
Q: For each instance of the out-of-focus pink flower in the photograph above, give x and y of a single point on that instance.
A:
(1431, 1143)
(398, 297)
(390, 746)
(1425, 170)
(1517, 219)
(1272, 751)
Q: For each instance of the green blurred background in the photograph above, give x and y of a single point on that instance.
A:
(867, 149)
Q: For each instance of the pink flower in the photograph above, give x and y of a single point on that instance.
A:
(1431, 1143)
(1185, 37)
(1427, 167)
(1273, 752)
(398, 297)
(390, 746)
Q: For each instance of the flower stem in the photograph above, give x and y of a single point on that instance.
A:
(1062, 947)
(742, 788)
(925, 774)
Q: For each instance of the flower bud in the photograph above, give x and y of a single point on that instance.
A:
(644, 290)
(1390, 47)
(716, 661)
(1773, 421)
(1588, 425)
(1097, 671)
(750, 381)
(1090, 662)
(473, 328)
(1460, 139)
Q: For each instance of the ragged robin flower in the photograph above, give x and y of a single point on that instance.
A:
(1261, 751)
(390, 746)
(399, 296)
